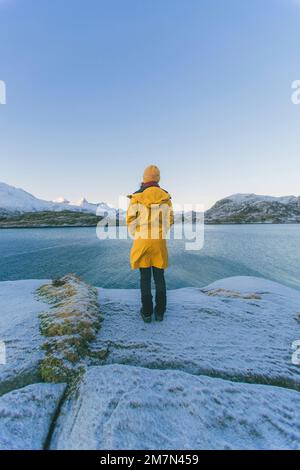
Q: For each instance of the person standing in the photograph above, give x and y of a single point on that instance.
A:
(149, 217)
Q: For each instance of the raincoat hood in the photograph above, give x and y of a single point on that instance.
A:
(150, 196)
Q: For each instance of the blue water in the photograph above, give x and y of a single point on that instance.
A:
(270, 251)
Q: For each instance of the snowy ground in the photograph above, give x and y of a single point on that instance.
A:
(182, 383)
(239, 328)
(19, 328)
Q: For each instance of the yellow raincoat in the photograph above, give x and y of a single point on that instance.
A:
(149, 217)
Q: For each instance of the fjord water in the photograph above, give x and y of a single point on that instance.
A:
(270, 251)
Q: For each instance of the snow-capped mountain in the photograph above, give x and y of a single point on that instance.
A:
(237, 208)
(252, 208)
(17, 201)
(61, 200)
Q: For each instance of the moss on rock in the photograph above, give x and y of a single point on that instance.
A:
(69, 326)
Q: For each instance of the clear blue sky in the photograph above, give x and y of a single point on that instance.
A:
(98, 89)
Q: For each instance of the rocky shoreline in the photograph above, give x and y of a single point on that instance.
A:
(216, 374)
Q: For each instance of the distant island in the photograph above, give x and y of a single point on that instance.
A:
(254, 209)
(49, 219)
(20, 209)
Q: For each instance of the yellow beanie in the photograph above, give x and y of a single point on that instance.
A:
(151, 173)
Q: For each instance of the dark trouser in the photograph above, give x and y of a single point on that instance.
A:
(160, 288)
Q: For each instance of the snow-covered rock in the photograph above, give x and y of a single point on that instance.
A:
(123, 407)
(217, 373)
(27, 414)
(19, 329)
(252, 208)
(240, 328)
(68, 327)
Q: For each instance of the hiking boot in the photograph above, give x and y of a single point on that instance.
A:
(146, 316)
(158, 316)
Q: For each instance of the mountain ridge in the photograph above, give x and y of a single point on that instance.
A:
(239, 208)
